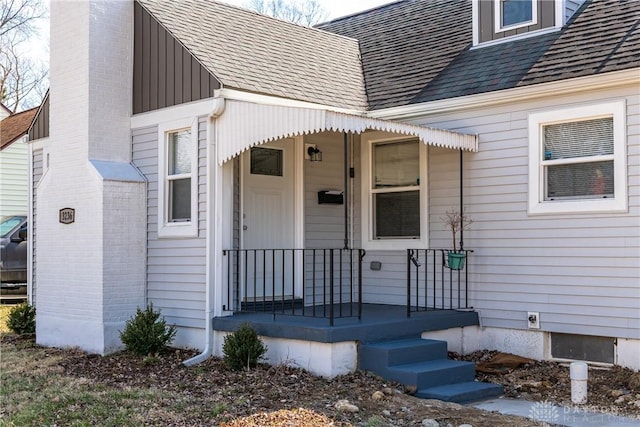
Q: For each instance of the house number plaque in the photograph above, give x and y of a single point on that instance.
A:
(67, 215)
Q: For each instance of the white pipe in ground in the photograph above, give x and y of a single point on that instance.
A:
(579, 372)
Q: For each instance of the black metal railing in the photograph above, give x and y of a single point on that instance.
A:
(324, 283)
(434, 284)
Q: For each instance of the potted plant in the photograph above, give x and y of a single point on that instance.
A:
(456, 221)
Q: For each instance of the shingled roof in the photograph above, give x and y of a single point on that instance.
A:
(248, 51)
(15, 126)
(420, 50)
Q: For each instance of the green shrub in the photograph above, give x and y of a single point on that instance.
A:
(22, 319)
(243, 348)
(146, 333)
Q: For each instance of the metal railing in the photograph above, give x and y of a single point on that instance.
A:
(433, 284)
(325, 283)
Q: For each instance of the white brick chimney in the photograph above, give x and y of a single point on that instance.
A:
(90, 274)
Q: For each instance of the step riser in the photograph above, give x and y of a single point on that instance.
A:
(462, 395)
(444, 376)
(373, 358)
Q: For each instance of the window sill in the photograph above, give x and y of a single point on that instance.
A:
(394, 244)
(579, 206)
(177, 230)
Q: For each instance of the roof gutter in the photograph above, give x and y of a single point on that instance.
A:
(508, 96)
(214, 242)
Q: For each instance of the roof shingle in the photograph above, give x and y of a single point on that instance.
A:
(14, 126)
(249, 51)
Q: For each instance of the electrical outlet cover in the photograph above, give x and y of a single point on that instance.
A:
(533, 320)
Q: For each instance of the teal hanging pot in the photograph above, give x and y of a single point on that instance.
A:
(456, 260)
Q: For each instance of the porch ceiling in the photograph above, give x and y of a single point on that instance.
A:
(246, 124)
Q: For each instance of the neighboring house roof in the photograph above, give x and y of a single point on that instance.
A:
(420, 50)
(248, 51)
(15, 126)
(4, 107)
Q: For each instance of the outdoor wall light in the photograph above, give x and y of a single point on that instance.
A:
(315, 155)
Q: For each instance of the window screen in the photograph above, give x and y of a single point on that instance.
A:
(395, 187)
(578, 159)
(179, 176)
(397, 214)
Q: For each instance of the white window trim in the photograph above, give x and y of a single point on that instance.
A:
(497, 17)
(367, 226)
(189, 228)
(537, 204)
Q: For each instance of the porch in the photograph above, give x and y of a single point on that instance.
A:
(378, 322)
(327, 303)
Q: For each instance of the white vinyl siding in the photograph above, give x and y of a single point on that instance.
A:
(579, 270)
(37, 172)
(176, 268)
(14, 179)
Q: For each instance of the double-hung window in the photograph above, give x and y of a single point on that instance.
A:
(395, 171)
(177, 179)
(512, 14)
(577, 159)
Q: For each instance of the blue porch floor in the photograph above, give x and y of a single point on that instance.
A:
(379, 322)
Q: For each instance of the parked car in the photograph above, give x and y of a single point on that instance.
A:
(13, 251)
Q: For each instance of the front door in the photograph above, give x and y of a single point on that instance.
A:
(268, 220)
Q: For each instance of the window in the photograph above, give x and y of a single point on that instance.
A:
(395, 171)
(266, 161)
(512, 14)
(177, 180)
(577, 159)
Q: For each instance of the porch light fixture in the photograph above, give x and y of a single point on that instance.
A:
(315, 155)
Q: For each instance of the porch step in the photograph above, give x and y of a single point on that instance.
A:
(461, 392)
(423, 364)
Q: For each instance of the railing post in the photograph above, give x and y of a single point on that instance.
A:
(361, 254)
(331, 288)
(409, 255)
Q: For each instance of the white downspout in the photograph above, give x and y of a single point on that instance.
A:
(213, 229)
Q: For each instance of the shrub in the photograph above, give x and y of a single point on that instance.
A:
(243, 348)
(22, 319)
(146, 333)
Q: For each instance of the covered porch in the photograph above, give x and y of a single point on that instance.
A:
(296, 249)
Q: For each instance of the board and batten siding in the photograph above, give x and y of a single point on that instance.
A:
(580, 271)
(14, 179)
(164, 72)
(38, 170)
(176, 267)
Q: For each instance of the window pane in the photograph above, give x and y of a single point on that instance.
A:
(578, 139)
(179, 158)
(396, 164)
(180, 200)
(582, 180)
(397, 214)
(266, 161)
(516, 11)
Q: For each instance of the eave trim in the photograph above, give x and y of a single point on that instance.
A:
(246, 124)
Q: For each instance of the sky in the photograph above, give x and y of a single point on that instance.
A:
(336, 8)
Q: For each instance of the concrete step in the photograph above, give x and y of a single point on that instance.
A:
(423, 364)
(377, 357)
(461, 392)
(432, 373)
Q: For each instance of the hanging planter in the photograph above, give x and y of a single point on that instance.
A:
(456, 222)
(455, 260)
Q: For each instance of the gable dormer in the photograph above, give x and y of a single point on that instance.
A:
(495, 21)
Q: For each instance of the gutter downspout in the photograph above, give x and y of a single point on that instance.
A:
(212, 238)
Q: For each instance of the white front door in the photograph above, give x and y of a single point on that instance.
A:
(268, 219)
